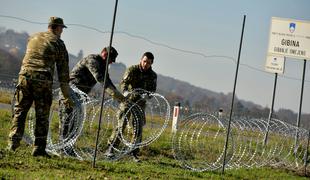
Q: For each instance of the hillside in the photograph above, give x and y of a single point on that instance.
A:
(194, 99)
(9, 65)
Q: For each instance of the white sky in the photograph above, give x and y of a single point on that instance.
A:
(210, 28)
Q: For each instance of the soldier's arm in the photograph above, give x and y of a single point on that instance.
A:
(152, 82)
(98, 74)
(126, 80)
(62, 65)
(112, 91)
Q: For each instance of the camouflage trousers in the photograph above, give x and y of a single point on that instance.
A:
(125, 115)
(32, 87)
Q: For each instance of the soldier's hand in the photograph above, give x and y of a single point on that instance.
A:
(118, 96)
(146, 96)
(69, 103)
(125, 93)
(143, 96)
(123, 99)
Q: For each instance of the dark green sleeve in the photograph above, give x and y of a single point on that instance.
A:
(154, 84)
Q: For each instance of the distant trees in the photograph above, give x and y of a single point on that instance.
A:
(10, 39)
(192, 98)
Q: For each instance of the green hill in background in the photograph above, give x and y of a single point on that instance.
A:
(192, 98)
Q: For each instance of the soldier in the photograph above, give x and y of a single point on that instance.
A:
(84, 75)
(91, 69)
(44, 50)
(140, 76)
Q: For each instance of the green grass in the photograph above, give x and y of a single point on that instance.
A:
(6, 97)
(157, 163)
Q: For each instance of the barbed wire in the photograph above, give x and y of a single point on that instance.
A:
(80, 124)
(161, 45)
(199, 141)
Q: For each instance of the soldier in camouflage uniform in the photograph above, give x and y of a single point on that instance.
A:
(44, 50)
(84, 75)
(91, 69)
(140, 76)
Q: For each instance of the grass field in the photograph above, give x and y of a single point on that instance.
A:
(6, 97)
(157, 163)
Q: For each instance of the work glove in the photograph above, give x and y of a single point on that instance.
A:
(115, 94)
(132, 96)
(125, 93)
(120, 97)
(69, 103)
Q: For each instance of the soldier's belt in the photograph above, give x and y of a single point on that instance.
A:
(38, 75)
(41, 77)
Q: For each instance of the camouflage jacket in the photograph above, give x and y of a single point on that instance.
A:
(44, 49)
(88, 71)
(135, 78)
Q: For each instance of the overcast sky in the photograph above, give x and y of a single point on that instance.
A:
(195, 41)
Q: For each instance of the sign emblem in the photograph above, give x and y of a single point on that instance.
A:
(274, 59)
(292, 27)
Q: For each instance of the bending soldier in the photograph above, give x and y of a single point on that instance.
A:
(84, 75)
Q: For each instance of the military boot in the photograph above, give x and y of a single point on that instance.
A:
(134, 155)
(12, 146)
(40, 152)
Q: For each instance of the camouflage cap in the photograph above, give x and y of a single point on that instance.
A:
(56, 21)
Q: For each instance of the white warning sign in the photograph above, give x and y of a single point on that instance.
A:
(275, 64)
(289, 38)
